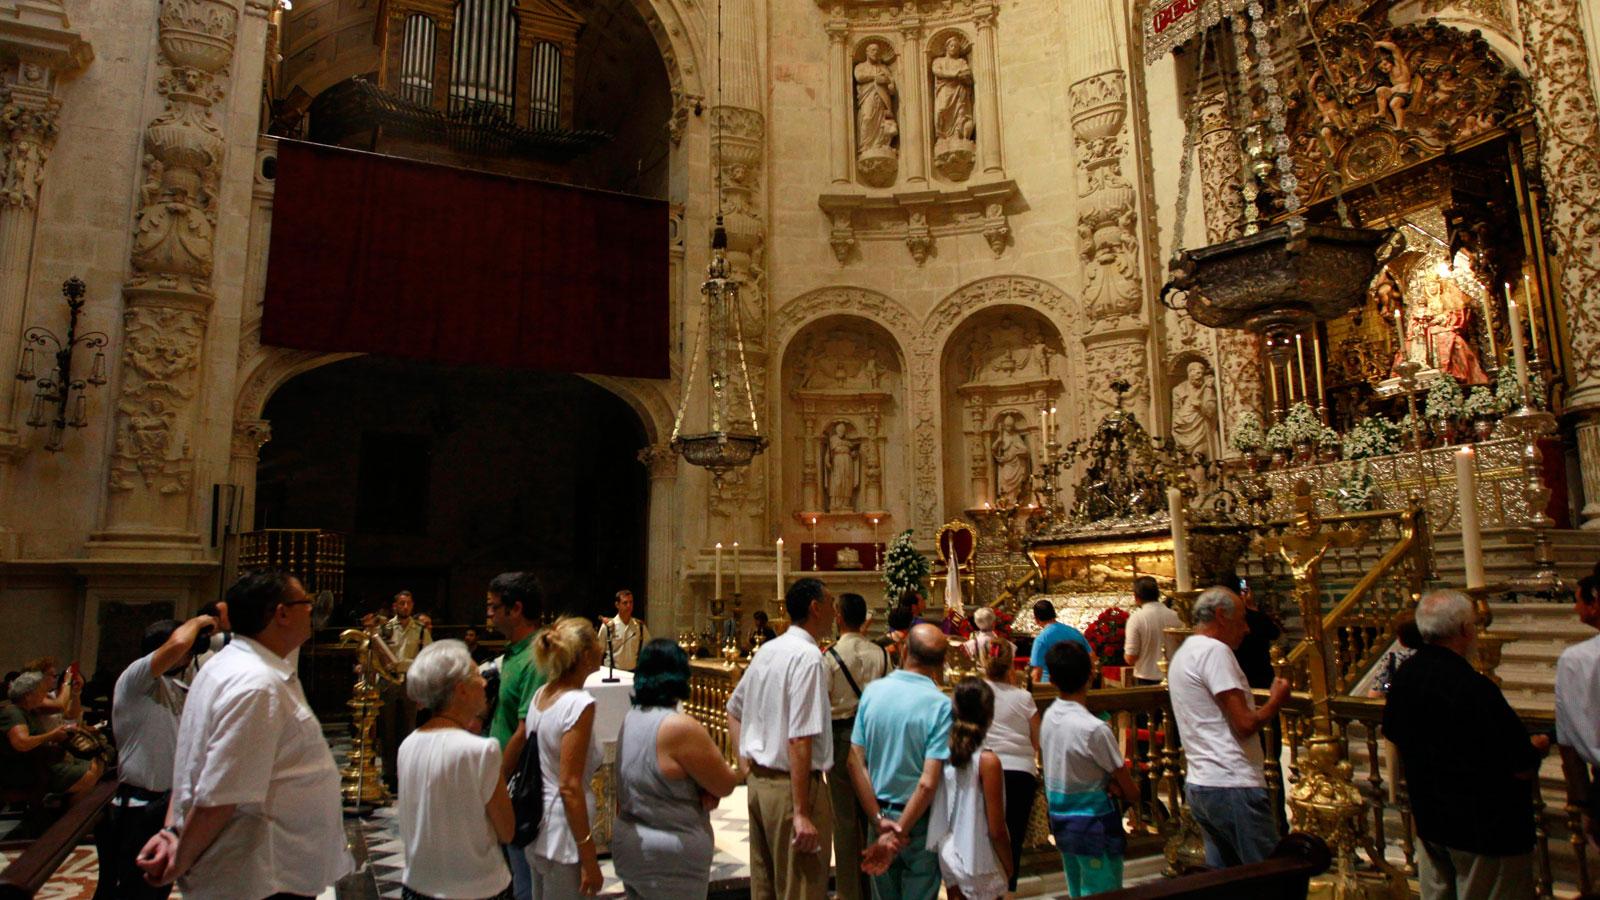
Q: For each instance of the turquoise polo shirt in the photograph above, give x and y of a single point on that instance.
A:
(1053, 634)
(903, 720)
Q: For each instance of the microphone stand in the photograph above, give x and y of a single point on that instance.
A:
(611, 656)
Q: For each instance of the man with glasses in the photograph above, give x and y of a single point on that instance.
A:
(513, 603)
(255, 794)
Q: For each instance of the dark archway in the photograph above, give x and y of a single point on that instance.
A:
(442, 477)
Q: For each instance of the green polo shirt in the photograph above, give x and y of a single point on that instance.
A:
(519, 678)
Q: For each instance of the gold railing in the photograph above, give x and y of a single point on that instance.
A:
(711, 683)
(1360, 624)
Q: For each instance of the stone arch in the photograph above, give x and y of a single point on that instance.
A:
(800, 312)
(923, 380)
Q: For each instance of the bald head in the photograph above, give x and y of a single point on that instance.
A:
(926, 647)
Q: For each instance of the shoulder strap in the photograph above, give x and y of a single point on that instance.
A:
(849, 679)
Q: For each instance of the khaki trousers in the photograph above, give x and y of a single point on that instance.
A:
(777, 870)
(848, 821)
(1446, 874)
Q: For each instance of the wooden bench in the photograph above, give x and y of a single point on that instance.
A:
(43, 855)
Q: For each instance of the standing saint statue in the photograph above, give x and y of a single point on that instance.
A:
(839, 463)
(953, 125)
(877, 132)
(1013, 463)
(1194, 412)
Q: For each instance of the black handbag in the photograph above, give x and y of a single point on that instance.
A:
(526, 788)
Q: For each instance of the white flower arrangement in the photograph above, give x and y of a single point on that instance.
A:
(1481, 401)
(1247, 433)
(1355, 490)
(1327, 438)
(1509, 393)
(1369, 437)
(1406, 427)
(1302, 424)
(1445, 400)
(1278, 437)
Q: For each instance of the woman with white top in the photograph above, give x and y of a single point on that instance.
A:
(1014, 737)
(454, 811)
(560, 722)
(968, 825)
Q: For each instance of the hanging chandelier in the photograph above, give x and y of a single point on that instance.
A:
(732, 437)
(1274, 280)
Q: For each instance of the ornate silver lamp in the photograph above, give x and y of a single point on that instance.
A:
(732, 437)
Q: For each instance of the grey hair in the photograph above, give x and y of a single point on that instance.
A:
(1212, 604)
(1442, 614)
(434, 674)
(23, 685)
(983, 617)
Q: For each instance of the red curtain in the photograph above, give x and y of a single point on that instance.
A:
(382, 255)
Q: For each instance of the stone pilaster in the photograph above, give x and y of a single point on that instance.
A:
(661, 601)
(168, 297)
(988, 108)
(1116, 295)
(1557, 55)
(841, 97)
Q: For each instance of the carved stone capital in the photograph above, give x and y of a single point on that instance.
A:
(260, 9)
(249, 435)
(660, 460)
(29, 127)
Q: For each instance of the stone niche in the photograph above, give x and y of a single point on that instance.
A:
(1000, 369)
(914, 126)
(844, 435)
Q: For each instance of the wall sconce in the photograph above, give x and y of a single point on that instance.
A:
(57, 387)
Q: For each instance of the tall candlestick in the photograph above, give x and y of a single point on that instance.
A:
(736, 568)
(780, 572)
(1273, 381)
(1471, 534)
(1400, 332)
(1316, 356)
(876, 556)
(1044, 422)
(1533, 309)
(1488, 328)
(1050, 436)
(1180, 540)
(1300, 358)
(814, 565)
(1518, 353)
(717, 567)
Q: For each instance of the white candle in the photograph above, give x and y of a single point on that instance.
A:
(1316, 356)
(1044, 424)
(1518, 353)
(780, 572)
(1488, 325)
(1400, 334)
(1300, 358)
(736, 568)
(1471, 534)
(1180, 540)
(717, 567)
(1533, 326)
(1273, 381)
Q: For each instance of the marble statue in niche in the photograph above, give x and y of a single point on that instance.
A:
(877, 130)
(1194, 411)
(1010, 351)
(953, 122)
(1013, 462)
(841, 469)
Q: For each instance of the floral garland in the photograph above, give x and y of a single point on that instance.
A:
(1106, 636)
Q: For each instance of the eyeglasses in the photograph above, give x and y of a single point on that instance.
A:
(299, 603)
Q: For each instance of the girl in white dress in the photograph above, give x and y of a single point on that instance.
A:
(968, 825)
(560, 723)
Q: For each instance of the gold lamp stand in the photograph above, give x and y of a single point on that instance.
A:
(360, 782)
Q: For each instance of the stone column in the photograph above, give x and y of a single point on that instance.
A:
(249, 435)
(151, 505)
(662, 603)
(988, 104)
(839, 89)
(913, 86)
(1557, 54)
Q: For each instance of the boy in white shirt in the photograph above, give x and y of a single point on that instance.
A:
(1083, 771)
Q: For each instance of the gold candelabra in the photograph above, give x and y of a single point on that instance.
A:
(360, 781)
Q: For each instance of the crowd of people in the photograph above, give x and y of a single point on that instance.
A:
(858, 764)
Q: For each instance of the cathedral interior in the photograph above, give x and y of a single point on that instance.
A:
(696, 297)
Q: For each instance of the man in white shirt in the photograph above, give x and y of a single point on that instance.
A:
(623, 635)
(778, 717)
(1218, 722)
(145, 706)
(1146, 635)
(1578, 705)
(255, 793)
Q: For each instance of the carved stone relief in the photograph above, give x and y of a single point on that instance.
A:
(160, 360)
(1195, 413)
(30, 131)
(844, 379)
(1107, 235)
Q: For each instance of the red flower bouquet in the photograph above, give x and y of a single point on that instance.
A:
(1106, 636)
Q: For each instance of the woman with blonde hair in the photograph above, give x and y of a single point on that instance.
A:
(1014, 738)
(560, 725)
